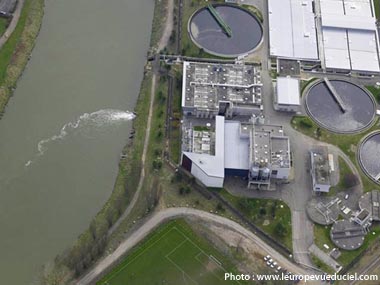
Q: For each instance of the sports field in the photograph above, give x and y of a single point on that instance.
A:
(172, 255)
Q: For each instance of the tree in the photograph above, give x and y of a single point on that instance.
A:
(280, 230)
(262, 211)
(55, 274)
(350, 180)
(157, 164)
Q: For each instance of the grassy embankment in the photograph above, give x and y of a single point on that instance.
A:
(171, 247)
(377, 8)
(3, 25)
(175, 123)
(347, 143)
(374, 90)
(271, 216)
(15, 52)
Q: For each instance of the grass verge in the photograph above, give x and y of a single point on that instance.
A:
(271, 216)
(377, 8)
(15, 52)
(374, 90)
(3, 25)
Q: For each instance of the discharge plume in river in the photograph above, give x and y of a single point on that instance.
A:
(96, 119)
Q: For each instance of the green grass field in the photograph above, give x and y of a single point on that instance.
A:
(266, 214)
(3, 25)
(173, 254)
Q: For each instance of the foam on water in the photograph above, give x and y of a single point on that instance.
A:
(97, 119)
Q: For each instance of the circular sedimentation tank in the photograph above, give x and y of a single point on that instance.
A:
(340, 106)
(323, 210)
(369, 153)
(207, 33)
(347, 235)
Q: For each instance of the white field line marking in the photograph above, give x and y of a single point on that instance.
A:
(180, 269)
(137, 256)
(217, 277)
(179, 245)
(202, 251)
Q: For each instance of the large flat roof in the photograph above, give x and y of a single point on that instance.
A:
(288, 91)
(350, 37)
(236, 146)
(292, 29)
(205, 85)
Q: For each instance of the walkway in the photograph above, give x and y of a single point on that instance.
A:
(13, 23)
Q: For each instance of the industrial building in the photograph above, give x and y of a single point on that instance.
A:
(229, 90)
(350, 39)
(340, 35)
(212, 150)
(287, 94)
(320, 170)
(203, 152)
(269, 155)
(292, 30)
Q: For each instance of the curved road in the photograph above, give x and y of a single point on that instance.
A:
(12, 24)
(172, 213)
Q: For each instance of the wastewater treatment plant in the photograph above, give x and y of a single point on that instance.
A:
(225, 30)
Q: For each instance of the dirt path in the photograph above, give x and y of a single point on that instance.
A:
(162, 43)
(171, 213)
(168, 26)
(13, 23)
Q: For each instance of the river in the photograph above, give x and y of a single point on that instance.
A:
(65, 127)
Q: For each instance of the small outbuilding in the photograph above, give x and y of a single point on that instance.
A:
(287, 94)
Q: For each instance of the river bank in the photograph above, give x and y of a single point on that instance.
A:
(66, 125)
(15, 53)
(91, 244)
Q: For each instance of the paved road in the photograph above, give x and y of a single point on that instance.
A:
(13, 23)
(172, 213)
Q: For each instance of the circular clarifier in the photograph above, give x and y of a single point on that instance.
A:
(350, 110)
(206, 33)
(369, 153)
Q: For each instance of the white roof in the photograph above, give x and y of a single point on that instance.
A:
(348, 22)
(349, 35)
(212, 165)
(236, 152)
(336, 48)
(347, 7)
(292, 29)
(288, 91)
